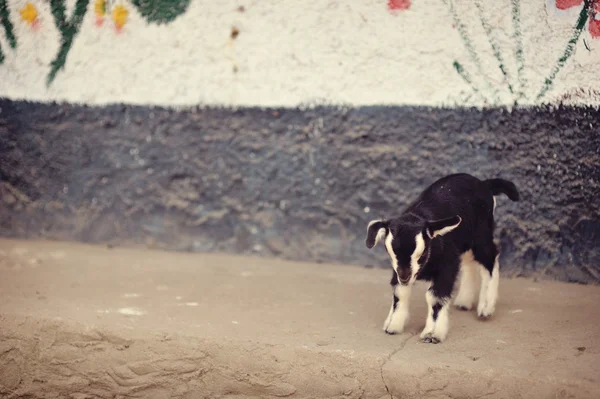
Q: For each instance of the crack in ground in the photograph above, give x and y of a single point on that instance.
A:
(384, 383)
(427, 391)
(385, 361)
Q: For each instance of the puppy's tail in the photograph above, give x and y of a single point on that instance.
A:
(501, 186)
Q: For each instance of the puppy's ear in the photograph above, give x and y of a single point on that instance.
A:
(440, 227)
(377, 230)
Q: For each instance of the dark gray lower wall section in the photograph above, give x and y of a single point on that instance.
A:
(298, 184)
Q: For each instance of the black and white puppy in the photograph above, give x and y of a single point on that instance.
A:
(445, 236)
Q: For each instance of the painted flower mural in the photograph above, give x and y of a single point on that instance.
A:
(398, 5)
(119, 16)
(594, 22)
(593, 16)
(154, 11)
(161, 11)
(588, 15)
(116, 14)
(564, 4)
(100, 11)
(29, 14)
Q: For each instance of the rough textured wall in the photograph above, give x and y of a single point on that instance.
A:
(368, 102)
(296, 184)
(289, 52)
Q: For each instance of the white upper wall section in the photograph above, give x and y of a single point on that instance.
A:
(292, 53)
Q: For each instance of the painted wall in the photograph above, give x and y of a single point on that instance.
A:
(289, 52)
(143, 122)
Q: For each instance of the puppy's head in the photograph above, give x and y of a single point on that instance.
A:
(406, 240)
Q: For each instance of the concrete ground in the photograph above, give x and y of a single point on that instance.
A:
(80, 321)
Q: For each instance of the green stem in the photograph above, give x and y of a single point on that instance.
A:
(8, 28)
(516, 18)
(462, 30)
(581, 21)
(467, 78)
(495, 48)
(68, 30)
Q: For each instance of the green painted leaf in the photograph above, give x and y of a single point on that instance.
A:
(68, 30)
(161, 11)
(8, 28)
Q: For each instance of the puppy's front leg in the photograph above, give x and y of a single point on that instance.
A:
(436, 327)
(438, 298)
(394, 324)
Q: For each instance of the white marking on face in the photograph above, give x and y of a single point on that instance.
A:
(494, 204)
(414, 258)
(390, 250)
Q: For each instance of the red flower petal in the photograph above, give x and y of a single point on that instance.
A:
(594, 21)
(594, 28)
(564, 4)
(394, 5)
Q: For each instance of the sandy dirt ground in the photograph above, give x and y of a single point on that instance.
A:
(80, 321)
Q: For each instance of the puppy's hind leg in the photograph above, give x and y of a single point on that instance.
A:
(468, 281)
